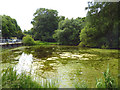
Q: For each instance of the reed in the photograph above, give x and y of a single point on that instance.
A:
(11, 80)
(108, 82)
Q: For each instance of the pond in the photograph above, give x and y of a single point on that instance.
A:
(70, 66)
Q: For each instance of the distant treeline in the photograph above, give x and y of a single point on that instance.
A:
(98, 29)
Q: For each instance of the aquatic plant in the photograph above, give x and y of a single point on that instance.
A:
(108, 82)
(10, 79)
(83, 69)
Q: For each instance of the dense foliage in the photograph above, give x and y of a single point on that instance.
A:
(10, 79)
(28, 32)
(68, 31)
(10, 28)
(28, 40)
(98, 29)
(44, 23)
(101, 28)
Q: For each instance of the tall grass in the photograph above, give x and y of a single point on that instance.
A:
(108, 81)
(11, 80)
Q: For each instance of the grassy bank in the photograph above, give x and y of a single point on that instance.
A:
(45, 43)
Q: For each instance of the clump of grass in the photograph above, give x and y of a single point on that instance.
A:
(100, 83)
(108, 82)
(11, 80)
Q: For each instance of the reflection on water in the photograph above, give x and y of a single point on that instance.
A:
(69, 65)
(24, 64)
(40, 52)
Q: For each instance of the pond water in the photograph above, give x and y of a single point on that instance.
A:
(71, 66)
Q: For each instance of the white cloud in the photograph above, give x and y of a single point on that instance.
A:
(23, 10)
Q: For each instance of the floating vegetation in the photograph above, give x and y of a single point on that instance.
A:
(77, 56)
(69, 66)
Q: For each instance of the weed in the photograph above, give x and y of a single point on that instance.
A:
(108, 82)
(11, 80)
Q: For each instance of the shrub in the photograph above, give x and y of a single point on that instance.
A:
(28, 40)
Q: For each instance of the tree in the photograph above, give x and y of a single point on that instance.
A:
(44, 23)
(60, 18)
(29, 32)
(68, 31)
(101, 28)
(10, 27)
(88, 36)
(20, 34)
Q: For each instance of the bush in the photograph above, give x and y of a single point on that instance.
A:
(28, 40)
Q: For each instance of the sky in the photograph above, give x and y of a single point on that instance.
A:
(23, 10)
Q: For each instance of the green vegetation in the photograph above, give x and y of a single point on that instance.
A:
(28, 40)
(45, 43)
(11, 80)
(108, 82)
(101, 25)
(68, 31)
(44, 23)
(82, 85)
(10, 28)
(98, 29)
(78, 69)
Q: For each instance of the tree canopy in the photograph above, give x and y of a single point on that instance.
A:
(101, 27)
(10, 28)
(44, 23)
(98, 29)
(68, 31)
